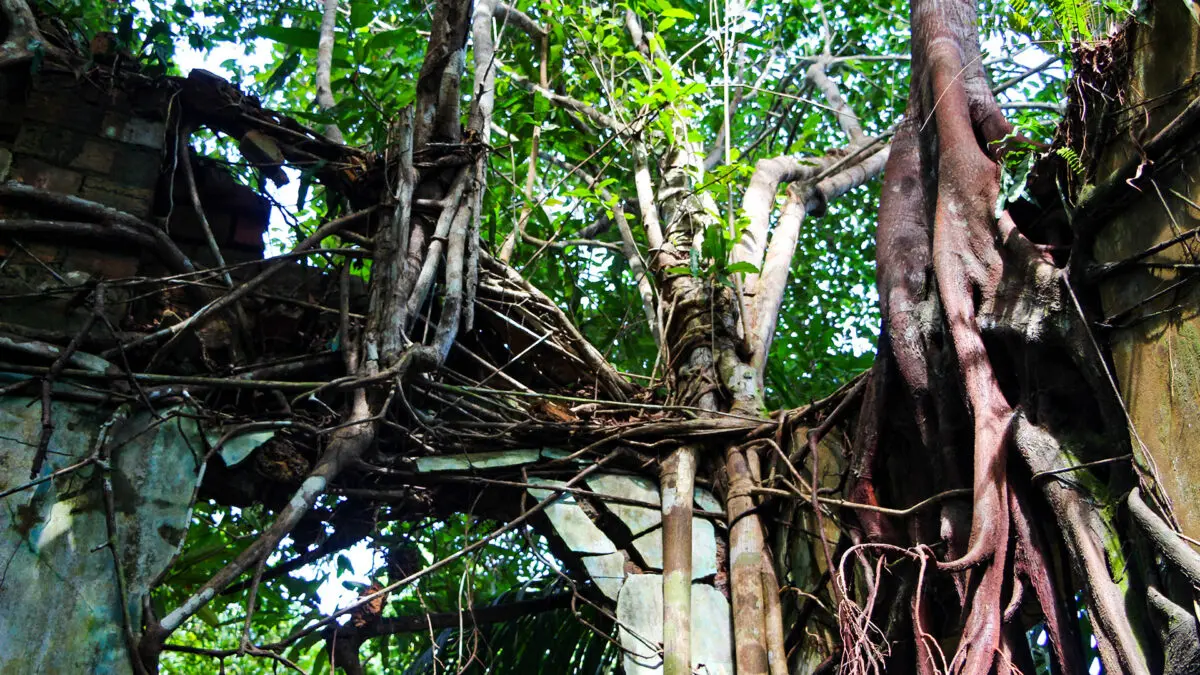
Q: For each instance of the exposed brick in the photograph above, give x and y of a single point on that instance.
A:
(74, 93)
(96, 156)
(11, 116)
(112, 126)
(14, 86)
(52, 81)
(151, 102)
(144, 132)
(63, 108)
(104, 264)
(248, 233)
(39, 174)
(136, 166)
(240, 255)
(47, 253)
(119, 125)
(193, 250)
(132, 200)
(185, 224)
(56, 145)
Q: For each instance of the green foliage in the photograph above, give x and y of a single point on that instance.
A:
(1072, 159)
(1065, 21)
(548, 642)
(499, 573)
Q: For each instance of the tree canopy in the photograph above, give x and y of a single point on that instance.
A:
(751, 67)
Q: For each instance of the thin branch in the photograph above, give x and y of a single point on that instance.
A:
(210, 311)
(571, 104)
(509, 15)
(513, 524)
(166, 248)
(48, 477)
(24, 39)
(1022, 76)
(189, 173)
(845, 116)
(325, 66)
(1059, 108)
(56, 369)
(506, 250)
(770, 286)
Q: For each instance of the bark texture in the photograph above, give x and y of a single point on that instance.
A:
(983, 329)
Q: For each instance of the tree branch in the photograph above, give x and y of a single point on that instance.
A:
(758, 203)
(509, 15)
(845, 116)
(469, 618)
(510, 242)
(325, 66)
(573, 105)
(23, 38)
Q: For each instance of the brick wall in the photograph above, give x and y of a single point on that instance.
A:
(112, 145)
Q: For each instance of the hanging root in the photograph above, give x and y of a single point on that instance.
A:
(865, 646)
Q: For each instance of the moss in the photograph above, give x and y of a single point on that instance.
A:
(1185, 361)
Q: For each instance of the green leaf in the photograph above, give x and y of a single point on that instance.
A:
(361, 13)
(159, 29)
(1072, 159)
(676, 13)
(201, 550)
(322, 663)
(391, 38)
(741, 267)
(282, 72)
(304, 38)
(208, 616)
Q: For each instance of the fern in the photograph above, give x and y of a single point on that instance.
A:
(1067, 20)
(1072, 159)
(1073, 16)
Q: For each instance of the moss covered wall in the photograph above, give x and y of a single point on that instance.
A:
(1157, 358)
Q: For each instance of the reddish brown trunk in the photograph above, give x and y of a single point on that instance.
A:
(937, 251)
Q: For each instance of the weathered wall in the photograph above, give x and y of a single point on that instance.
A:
(57, 578)
(1157, 360)
(110, 144)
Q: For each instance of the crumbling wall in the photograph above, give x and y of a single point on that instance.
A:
(108, 139)
(62, 610)
(1155, 329)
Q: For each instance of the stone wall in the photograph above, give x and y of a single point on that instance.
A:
(115, 145)
(1156, 344)
(110, 142)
